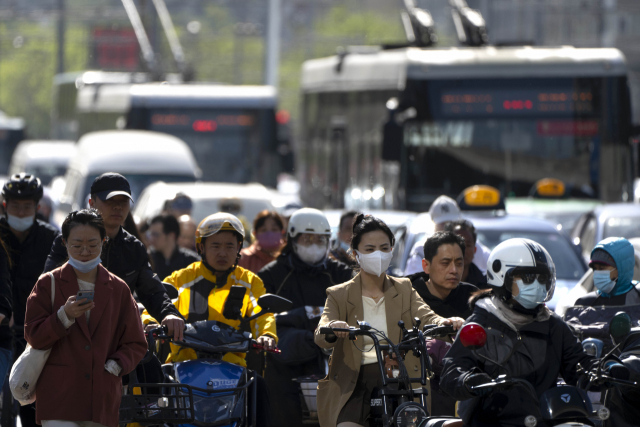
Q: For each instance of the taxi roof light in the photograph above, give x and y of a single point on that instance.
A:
(549, 188)
(480, 197)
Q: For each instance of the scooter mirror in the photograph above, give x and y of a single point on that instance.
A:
(620, 326)
(593, 347)
(473, 336)
(274, 304)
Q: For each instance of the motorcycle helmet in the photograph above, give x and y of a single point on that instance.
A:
(524, 258)
(309, 221)
(215, 223)
(22, 186)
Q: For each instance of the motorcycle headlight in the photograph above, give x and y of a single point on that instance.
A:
(604, 413)
(409, 414)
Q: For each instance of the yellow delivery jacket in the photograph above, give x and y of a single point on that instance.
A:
(200, 298)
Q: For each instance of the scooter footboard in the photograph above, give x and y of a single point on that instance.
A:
(152, 404)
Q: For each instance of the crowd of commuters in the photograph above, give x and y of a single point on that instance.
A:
(182, 273)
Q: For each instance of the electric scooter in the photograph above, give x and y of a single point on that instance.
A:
(394, 405)
(207, 391)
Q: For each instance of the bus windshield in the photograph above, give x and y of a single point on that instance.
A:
(509, 134)
(215, 136)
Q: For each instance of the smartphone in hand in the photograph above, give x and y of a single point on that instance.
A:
(88, 295)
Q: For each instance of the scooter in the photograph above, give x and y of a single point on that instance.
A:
(207, 391)
(393, 404)
(563, 406)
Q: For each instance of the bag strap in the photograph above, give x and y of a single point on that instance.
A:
(53, 289)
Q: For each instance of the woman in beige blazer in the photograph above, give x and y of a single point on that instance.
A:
(344, 395)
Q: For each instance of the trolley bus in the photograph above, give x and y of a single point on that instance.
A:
(233, 131)
(397, 128)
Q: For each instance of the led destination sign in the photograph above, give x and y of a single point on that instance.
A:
(501, 102)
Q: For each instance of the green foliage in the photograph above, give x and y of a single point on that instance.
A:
(27, 69)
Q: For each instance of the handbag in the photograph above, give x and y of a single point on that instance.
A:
(27, 369)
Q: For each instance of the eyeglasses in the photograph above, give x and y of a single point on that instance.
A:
(79, 249)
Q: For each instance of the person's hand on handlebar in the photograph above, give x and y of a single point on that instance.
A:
(456, 322)
(340, 325)
(267, 342)
(475, 380)
(175, 326)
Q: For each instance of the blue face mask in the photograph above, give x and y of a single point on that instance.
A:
(344, 246)
(20, 224)
(532, 295)
(84, 266)
(602, 281)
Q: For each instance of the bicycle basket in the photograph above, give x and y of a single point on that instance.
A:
(152, 404)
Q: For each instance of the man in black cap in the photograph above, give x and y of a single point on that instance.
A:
(123, 254)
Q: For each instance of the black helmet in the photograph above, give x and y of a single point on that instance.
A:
(22, 186)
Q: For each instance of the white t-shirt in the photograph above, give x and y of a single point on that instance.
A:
(376, 316)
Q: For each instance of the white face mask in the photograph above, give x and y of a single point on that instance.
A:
(312, 254)
(376, 262)
(20, 224)
(85, 266)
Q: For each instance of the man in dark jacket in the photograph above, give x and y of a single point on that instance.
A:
(302, 274)
(28, 241)
(124, 255)
(166, 255)
(440, 287)
(440, 284)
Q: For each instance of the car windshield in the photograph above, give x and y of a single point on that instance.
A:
(565, 258)
(627, 227)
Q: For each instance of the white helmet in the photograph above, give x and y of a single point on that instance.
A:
(310, 221)
(522, 257)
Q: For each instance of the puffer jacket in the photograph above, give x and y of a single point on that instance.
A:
(546, 350)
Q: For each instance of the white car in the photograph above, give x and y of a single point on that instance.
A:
(45, 159)
(143, 157)
(206, 197)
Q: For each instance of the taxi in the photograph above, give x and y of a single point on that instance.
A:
(494, 225)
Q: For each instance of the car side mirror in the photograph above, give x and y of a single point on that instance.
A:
(270, 303)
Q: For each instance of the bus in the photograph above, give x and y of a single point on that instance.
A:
(233, 131)
(396, 128)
